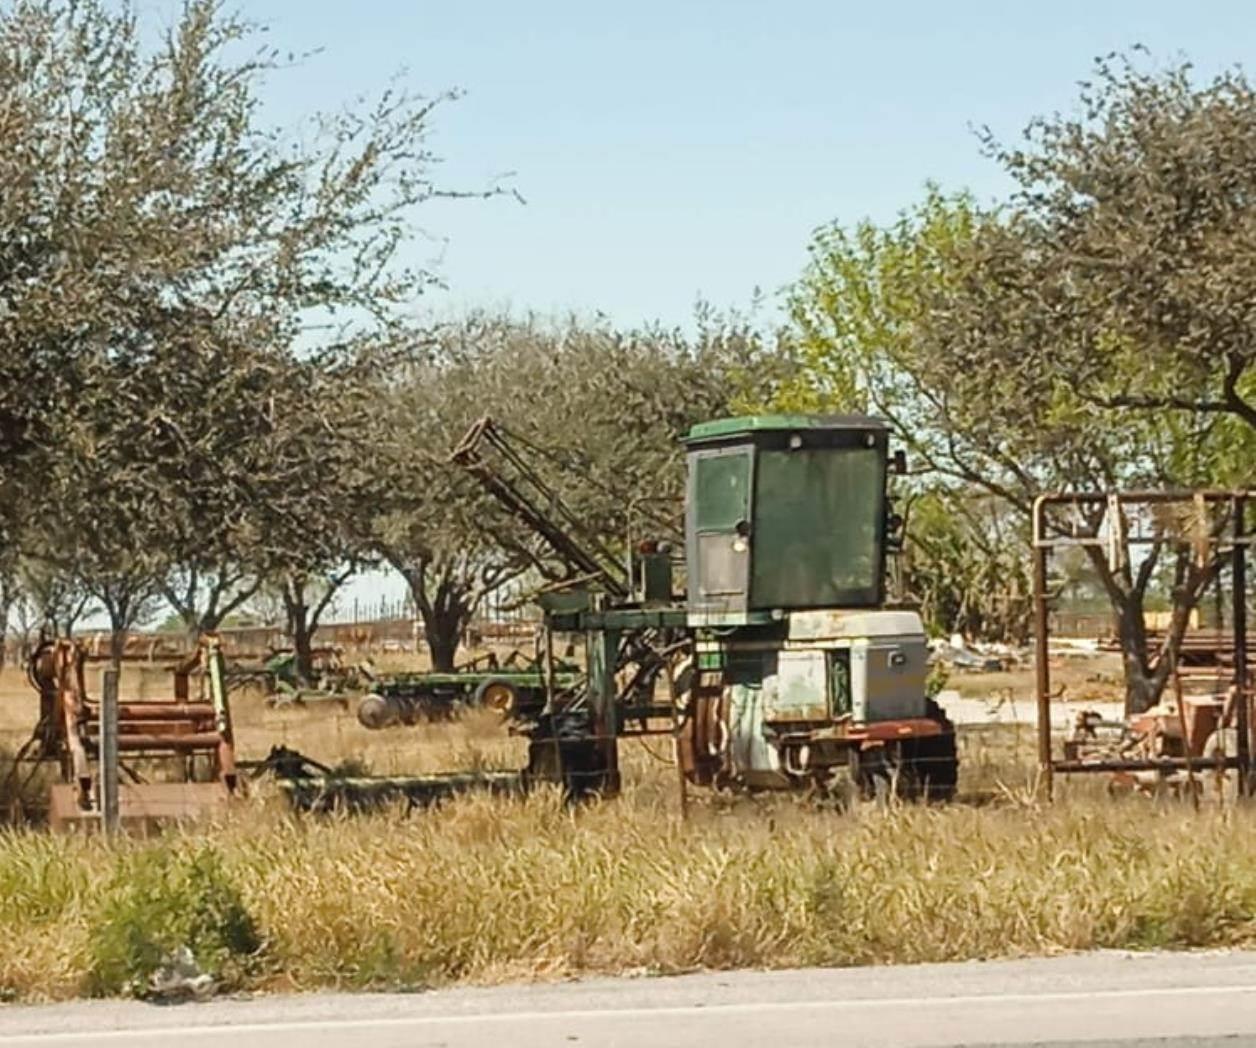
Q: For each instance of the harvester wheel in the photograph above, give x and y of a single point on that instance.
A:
(499, 695)
(928, 767)
(921, 768)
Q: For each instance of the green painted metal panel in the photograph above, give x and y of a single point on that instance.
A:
(724, 428)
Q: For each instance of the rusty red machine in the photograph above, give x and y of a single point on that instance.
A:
(1203, 724)
(183, 741)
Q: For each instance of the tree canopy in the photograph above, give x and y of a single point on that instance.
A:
(599, 414)
(189, 300)
(1089, 332)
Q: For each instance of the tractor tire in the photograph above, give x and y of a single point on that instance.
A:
(928, 768)
(498, 695)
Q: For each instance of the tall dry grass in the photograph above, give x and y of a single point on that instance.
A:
(488, 889)
(485, 889)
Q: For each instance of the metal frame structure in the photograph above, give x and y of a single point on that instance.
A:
(75, 731)
(1239, 537)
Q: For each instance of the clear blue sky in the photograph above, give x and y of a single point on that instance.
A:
(675, 150)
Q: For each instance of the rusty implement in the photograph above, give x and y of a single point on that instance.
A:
(184, 744)
(1206, 725)
(141, 804)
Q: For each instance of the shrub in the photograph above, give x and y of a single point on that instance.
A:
(158, 902)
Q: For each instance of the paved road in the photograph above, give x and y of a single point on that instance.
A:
(1108, 999)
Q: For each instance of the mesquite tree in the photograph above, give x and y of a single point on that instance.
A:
(597, 413)
(1095, 331)
(185, 294)
(1141, 207)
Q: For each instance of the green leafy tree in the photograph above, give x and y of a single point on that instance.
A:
(1140, 206)
(937, 324)
(189, 297)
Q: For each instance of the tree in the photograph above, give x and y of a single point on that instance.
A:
(45, 600)
(965, 565)
(597, 413)
(941, 324)
(1141, 207)
(184, 291)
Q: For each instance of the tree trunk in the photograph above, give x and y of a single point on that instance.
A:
(444, 610)
(442, 631)
(303, 649)
(119, 629)
(300, 629)
(1141, 692)
(1147, 673)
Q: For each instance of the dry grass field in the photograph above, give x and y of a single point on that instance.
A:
(485, 889)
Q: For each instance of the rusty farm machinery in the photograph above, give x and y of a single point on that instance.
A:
(781, 665)
(1200, 733)
(185, 740)
(512, 686)
(776, 664)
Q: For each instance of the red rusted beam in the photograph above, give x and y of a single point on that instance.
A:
(199, 740)
(888, 731)
(1148, 764)
(161, 711)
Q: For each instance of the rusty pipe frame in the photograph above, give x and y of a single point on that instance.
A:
(178, 741)
(1186, 764)
(128, 711)
(1238, 541)
(179, 727)
(1211, 496)
(1042, 669)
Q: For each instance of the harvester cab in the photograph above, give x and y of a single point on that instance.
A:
(788, 667)
(803, 674)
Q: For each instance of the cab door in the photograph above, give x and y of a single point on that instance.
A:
(720, 496)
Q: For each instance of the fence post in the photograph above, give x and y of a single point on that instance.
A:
(109, 808)
(1243, 699)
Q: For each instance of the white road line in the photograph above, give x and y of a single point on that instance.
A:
(750, 1007)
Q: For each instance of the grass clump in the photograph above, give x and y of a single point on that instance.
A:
(486, 889)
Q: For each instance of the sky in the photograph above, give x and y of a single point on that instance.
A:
(672, 152)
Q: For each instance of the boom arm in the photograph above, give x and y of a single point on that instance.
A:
(522, 492)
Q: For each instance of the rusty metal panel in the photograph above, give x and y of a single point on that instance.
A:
(798, 691)
(141, 803)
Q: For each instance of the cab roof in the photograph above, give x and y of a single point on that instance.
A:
(722, 429)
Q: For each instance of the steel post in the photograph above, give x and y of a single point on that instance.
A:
(1042, 667)
(109, 807)
(603, 651)
(1239, 587)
